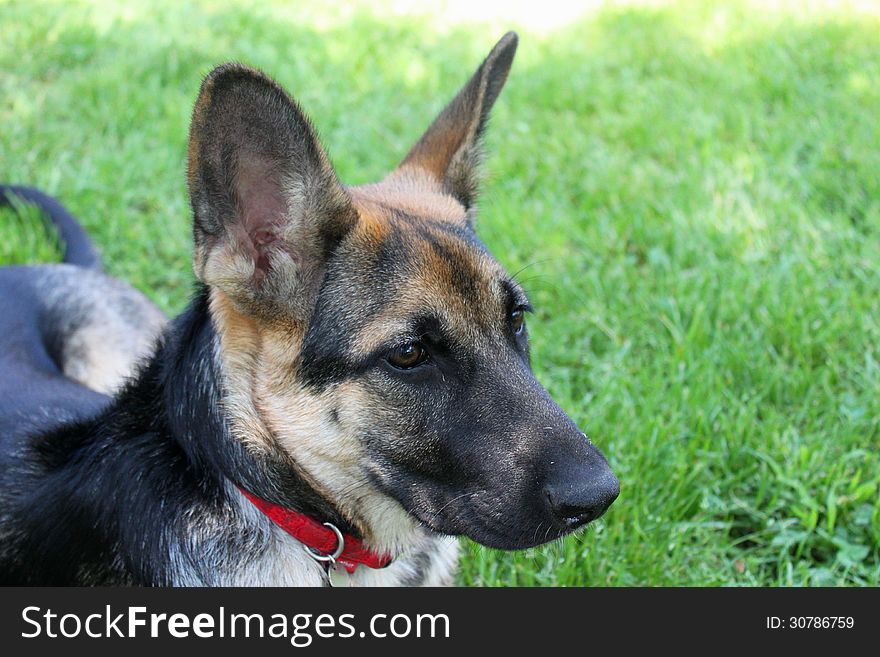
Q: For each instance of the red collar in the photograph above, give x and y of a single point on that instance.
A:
(320, 539)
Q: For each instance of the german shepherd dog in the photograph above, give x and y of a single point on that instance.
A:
(348, 390)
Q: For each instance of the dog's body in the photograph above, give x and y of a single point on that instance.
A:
(352, 355)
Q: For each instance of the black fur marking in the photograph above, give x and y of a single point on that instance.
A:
(516, 298)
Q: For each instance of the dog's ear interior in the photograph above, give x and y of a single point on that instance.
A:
(267, 205)
(450, 150)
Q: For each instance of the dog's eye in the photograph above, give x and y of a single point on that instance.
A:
(408, 356)
(518, 321)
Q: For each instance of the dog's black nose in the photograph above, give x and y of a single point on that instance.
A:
(582, 496)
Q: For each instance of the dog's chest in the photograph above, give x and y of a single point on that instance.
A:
(431, 562)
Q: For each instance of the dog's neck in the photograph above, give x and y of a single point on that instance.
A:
(162, 468)
(310, 431)
(189, 380)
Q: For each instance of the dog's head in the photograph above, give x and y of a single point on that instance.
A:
(369, 334)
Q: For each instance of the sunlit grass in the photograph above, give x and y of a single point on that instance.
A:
(691, 193)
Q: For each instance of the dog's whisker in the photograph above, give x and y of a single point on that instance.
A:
(454, 499)
(531, 264)
(537, 529)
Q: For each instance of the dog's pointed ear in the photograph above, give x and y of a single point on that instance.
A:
(450, 150)
(267, 205)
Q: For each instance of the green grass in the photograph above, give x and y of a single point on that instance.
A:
(692, 194)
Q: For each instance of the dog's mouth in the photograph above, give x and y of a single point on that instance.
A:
(503, 537)
(527, 524)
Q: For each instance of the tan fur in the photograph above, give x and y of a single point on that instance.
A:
(428, 288)
(444, 140)
(407, 189)
(240, 342)
(267, 408)
(106, 356)
(333, 455)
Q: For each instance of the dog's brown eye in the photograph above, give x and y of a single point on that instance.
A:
(408, 356)
(518, 320)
